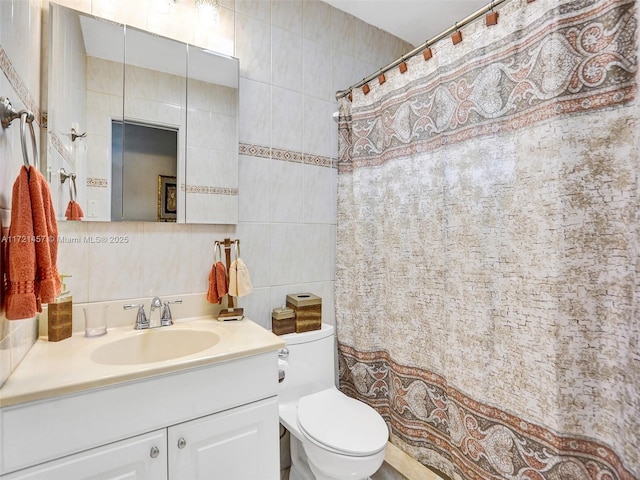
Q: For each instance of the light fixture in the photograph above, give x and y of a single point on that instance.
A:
(208, 12)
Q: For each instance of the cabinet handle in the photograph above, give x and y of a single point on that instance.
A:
(182, 442)
(155, 451)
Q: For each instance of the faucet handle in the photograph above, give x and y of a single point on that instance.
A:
(166, 318)
(142, 321)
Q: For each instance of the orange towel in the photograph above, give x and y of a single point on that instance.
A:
(45, 229)
(74, 212)
(217, 283)
(32, 253)
(21, 254)
(221, 281)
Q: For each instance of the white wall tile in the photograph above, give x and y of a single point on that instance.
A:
(317, 21)
(255, 189)
(287, 15)
(287, 253)
(255, 246)
(317, 70)
(253, 47)
(318, 123)
(318, 190)
(287, 119)
(255, 112)
(260, 10)
(287, 192)
(343, 31)
(317, 253)
(287, 54)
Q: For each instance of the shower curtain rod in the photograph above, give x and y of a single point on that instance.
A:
(420, 48)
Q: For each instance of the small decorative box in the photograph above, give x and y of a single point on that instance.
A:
(283, 320)
(308, 308)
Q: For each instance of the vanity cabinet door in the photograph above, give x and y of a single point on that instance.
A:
(138, 458)
(237, 444)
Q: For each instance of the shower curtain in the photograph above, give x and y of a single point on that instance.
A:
(487, 253)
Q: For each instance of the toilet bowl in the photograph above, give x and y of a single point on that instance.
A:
(333, 436)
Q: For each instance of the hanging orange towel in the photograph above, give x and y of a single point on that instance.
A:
(74, 212)
(212, 291)
(32, 253)
(217, 283)
(45, 229)
(21, 254)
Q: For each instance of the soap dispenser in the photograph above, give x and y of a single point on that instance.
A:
(60, 314)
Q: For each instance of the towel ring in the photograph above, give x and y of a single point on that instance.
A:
(217, 252)
(73, 192)
(8, 115)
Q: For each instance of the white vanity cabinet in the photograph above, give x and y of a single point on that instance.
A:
(218, 421)
(237, 444)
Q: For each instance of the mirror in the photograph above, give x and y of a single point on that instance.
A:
(147, 124)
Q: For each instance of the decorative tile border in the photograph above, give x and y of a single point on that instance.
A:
(207, 190)
(97, 182)
(59, 147)
(18, 85)
(261, 151)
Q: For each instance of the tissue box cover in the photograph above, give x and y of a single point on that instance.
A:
(308, 308)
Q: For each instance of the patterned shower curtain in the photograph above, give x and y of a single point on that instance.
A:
(487, 260)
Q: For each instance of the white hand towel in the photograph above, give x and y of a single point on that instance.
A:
(239, 280)
(233, 279)
(244, 286)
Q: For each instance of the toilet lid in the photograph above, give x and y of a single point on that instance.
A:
(341, 423)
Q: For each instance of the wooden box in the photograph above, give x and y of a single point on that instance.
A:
(283, 320)
(59, 319)
(308, 308)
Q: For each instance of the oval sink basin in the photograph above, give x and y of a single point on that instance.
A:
(154, 345)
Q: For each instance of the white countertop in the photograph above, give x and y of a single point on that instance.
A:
(59, 368)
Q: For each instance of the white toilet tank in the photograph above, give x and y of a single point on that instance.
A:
(309, 365)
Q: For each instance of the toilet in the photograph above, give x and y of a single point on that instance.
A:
(333, 436)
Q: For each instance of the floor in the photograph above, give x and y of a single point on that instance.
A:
(385, 473)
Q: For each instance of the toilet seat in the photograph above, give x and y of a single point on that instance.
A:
(341, 424)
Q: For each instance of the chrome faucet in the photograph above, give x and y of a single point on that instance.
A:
(156, 304)
(143, 322)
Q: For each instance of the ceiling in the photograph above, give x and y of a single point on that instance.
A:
(414, 21)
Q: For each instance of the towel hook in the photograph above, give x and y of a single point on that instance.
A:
(64, 175)
(237, 245)
(75, 135)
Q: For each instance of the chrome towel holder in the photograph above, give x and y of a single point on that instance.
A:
(7, 115)
(73, 190)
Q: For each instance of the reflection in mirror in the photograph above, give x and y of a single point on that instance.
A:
(166, 93)
(153, 137)
(138, 186)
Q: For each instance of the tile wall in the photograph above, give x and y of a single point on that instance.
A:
(294, 55)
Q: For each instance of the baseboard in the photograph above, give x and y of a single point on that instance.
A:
(407, 466)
